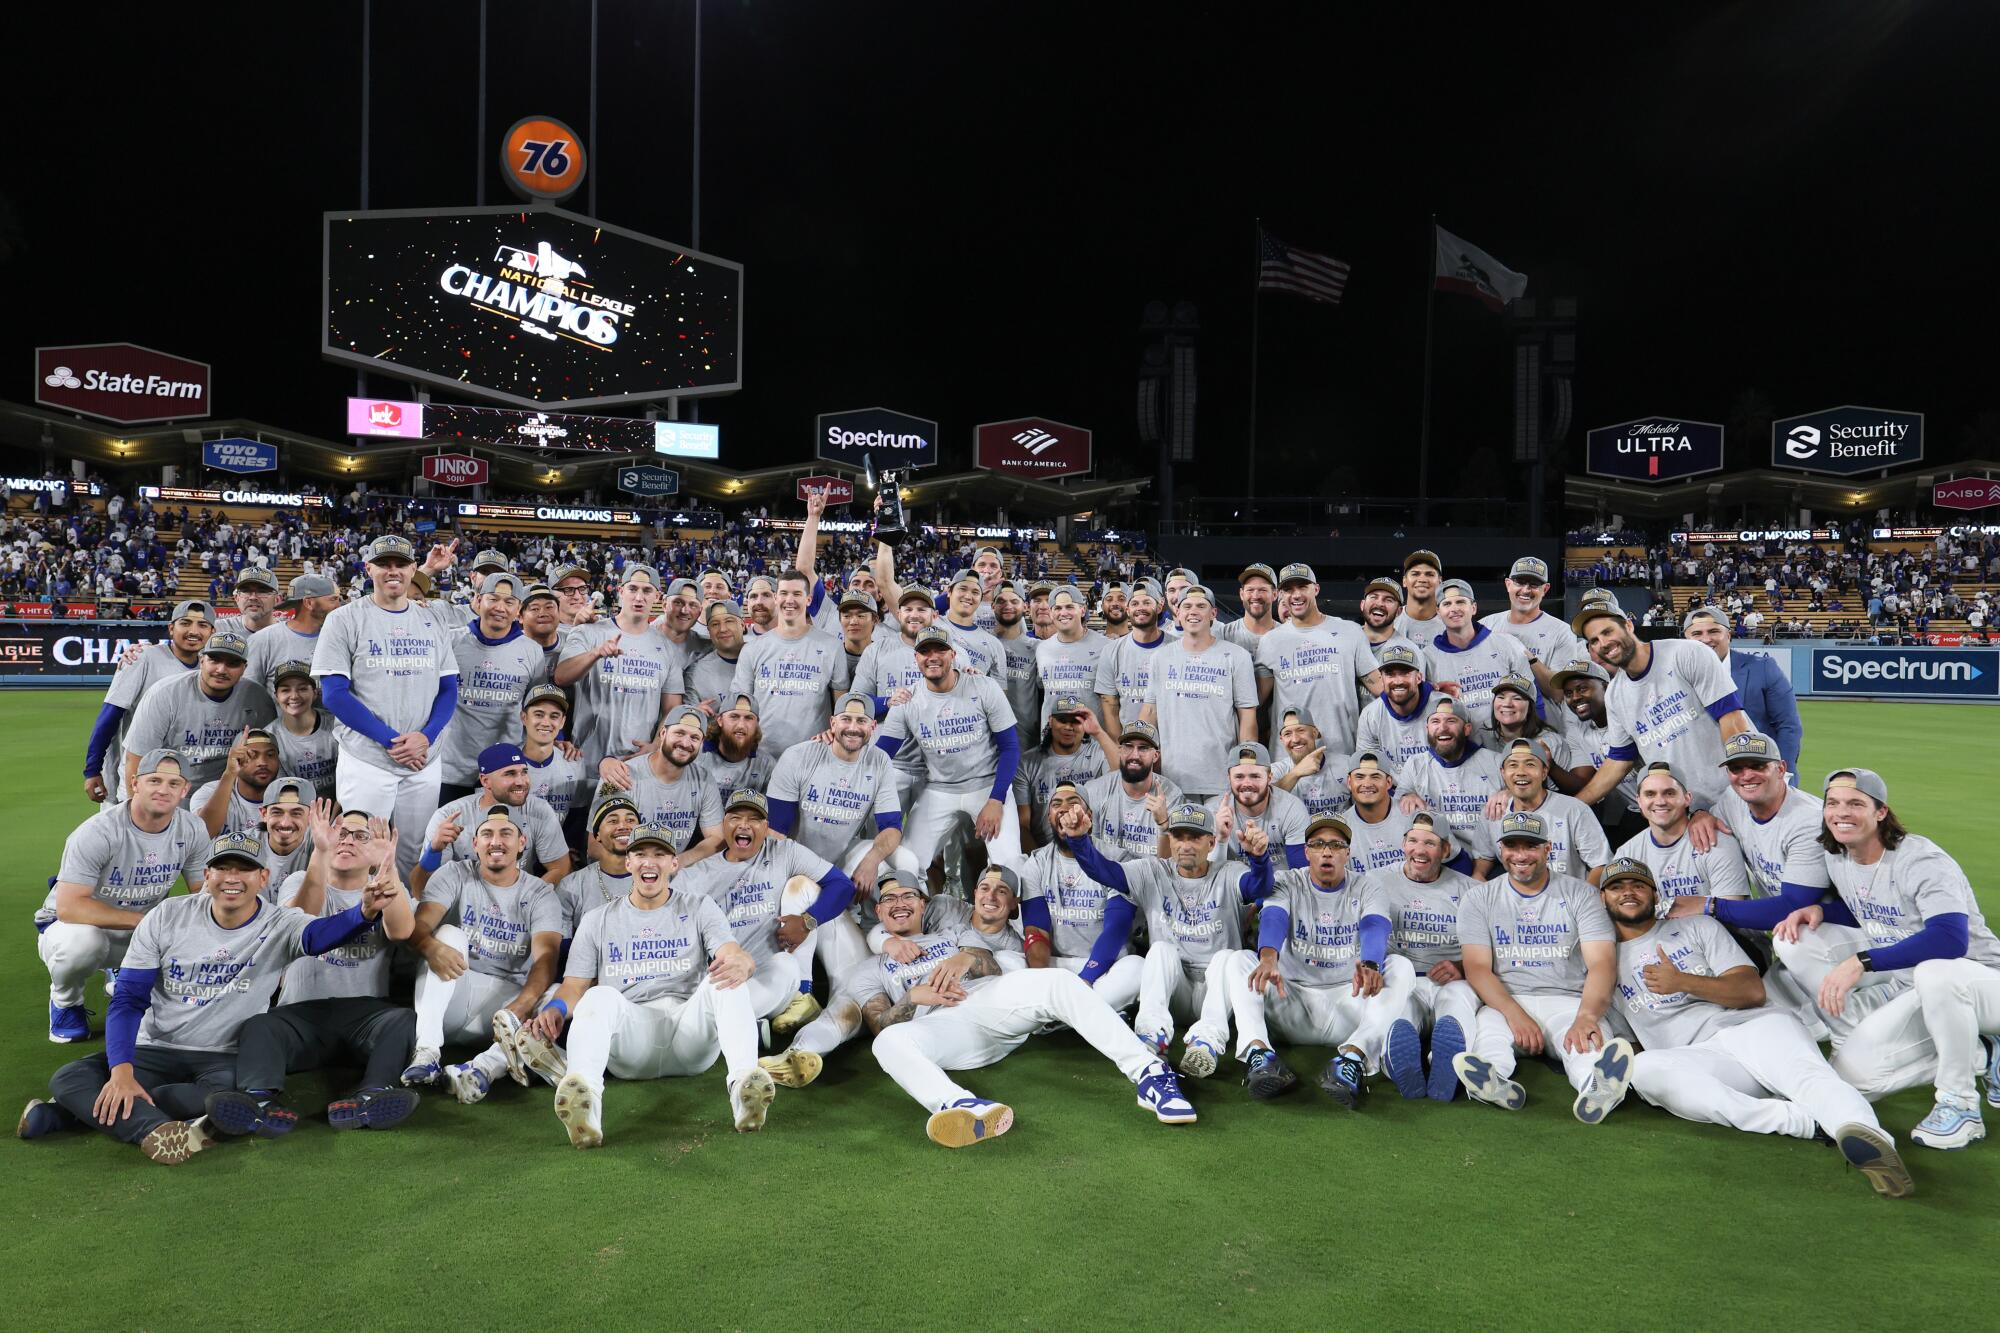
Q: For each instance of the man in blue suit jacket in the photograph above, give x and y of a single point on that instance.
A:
(1765, 689)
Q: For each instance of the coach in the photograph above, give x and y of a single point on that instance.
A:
(388, 675)
(1765, 690)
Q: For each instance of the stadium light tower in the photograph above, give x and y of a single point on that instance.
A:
(1167, 390)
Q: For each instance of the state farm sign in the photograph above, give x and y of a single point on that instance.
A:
(455, 470)
(839, 490)
(1032, 447)
(1966, 493)
(121, 382)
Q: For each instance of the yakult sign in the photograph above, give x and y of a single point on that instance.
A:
(121, 382)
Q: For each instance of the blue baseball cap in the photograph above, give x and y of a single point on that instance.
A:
(496, 757)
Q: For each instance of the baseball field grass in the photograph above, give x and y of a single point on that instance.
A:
(841, 1214)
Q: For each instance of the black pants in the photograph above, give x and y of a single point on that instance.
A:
(449, 792)
(362, 1030)
(180, 1082)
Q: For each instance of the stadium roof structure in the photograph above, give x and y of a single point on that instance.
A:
(1761, 486)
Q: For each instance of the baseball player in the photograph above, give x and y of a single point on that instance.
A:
(451, 834)
(1418, 620)
(1042, 620)
(541, 622)
(284, 827)
(668, 786)
(1202, 697)
(500, 959)
(117, 866)
(234, 801)
(1376, 823)
(1467, 659)
(760, 605)
(735, 756)
(793, 673)
(387, 674)
(572, 588)
(201, 713)
(1075, 749)
(1669, 701)
(1546, 639)
(1668, 852)
(1253, 796)
(1381, 604)
(1303, 771)
(1454, 778)
(1194, 918)
(607, 878)
(307, 746)
(1066, 664)
(1020, 679)
(623, 673)
(1129, 807)
(971, 750)
(1112, 604)
(1322, 973)
(1257, 593)
(1766, 691)
(497, 665)
(1577, 846)
(711, 674)
(188, 631)
(256, 603)
(678, 613)
(859, 621)
(1317, 662)
(656, 984)
(1069, 921)
(1539, 952)
(555, 775)
(334, 1006)
(1393, 725)
(196, 970)
(1581, 684)
(978, 650)
(1715, 1052)
(1126, 668)
(1423, 895)
(311, 599)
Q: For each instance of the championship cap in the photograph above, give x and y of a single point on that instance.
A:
(967, 575)
(638, 573)
(1514, 681)
(1040, 588)
(914, 592)
(722, 607)
(499, 814)
(1866, 781)
(573, 572)
(1595, 609)
(1626, 867)
(1335, 822)
(152, 759)
(680, 713)
(490, 559)
(916, 884)
(1439, 829)
(496, 757)
(1367, 761)
(1390, 586)
(1581, 669)
(930, 636)
(289, 791)
(854, 704)
(227, 643)
(538, 590)
(1398, 655)
(1068, 594)
(308, 585)
(1201, 590)
(650, 835)
(1140, 731)
(1746, 746)
(1422, 557)
(743, 703)
(1297, 714)
(684, 587)
(292, 671)
(856, 600)
(246, 848)
(1005, 874)
(1529, 569)
(195, 608)
(1296, 572)
(606, 804)
(1705, 612)
(1526, 745)
(1524, 825)
(1068, 705)
(1191, 818)
(1257, 570)
(256, 576)
(747, 798)
(1151, 587)
(503, 584)
(1459, 586)
(389, 548)
(546, 694)
(1249, 752)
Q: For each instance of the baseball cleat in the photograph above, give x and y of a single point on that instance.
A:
(41, 1118)
(468, 1082)
(1160, 1092)
(241, 1113)
(750, 1100)
(1342, 1080)
(1610, 1076)
(1447, 1044)
(1485, 1083)
(1950, 1126)
(580, 1110)
(795, 1015)
(527, 1051)
(973, 1120)
(425, 1068)
(1199, 1059)
(793, 1069)
(1403, 1058)
(1992, 1071)
(174, 1142)
(506, 1031)
(372, 1108)
(1266, 1075)
(68, 1023)
(1873, 1153)
(1158, 1041)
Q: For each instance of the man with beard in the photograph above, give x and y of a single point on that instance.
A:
(1111, 604)
(1252, 796)
(1316, 662)
(793, 673)
(1394, 724)
(497, 665)
(1067, 663)
(1423, 896)
(1454, 778)
(622, 673)
(1667, 850)
(256, 603)
(307, 745)
(669, 788)
(1129, 807)
(312, 599)
(1580, 685)
(503, 784)
(234, 802)
(1010, 630)
(188, 631)
(1303, 770)
(709, 678)
(1548, 641)
(1201, 698)
(201, 714)
(1126, 668)
(1073, 749)
(1381, 604)
(760, 604)
(553, 775)
(1257, 590)
(1418, 620)
(735, 756)
(1067, 918)
(1468, 659)
(678, 613)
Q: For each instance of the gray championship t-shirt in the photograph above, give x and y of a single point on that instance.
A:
(1076, 901)
(709, 677)
(126, 867)
(793, 682)
(1536, 941)
(544, 842)
(1125, 670)
(1668, 715)
(1784, 848)
(687, 805)
(978, 651)
(954, 728)
(1576, 840)
(359, 967)
(883, 975)
(584, 891)
(657, 954)
(1477, 668)
(1324, 939)
(212, 981)
(314, 756)
(557, 780)
(1394, 738)
(750, 892)
(1124, 820)
(1021, 677)
(179, 714)
(1069, 668)
(394, 660)
(1039, 773)
(493, 678)
(619, 699)
(839, 801)
(243, 815)
(1202, 916)
(1906, 887)
(1457, 790)
(1195, 697)
(500, 923)
(1376, 847)
(1319, 668)
(273, 646)
(1680, 870)
(1284, 822)
(156, 662)
(1424, 916)
(1697, 945)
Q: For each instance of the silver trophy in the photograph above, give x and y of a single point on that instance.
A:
(892, 523)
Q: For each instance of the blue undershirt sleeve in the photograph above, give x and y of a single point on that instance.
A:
(337, 693)
(1118, 913)
(441, 708)
(1273, 924)
(101, 736)
(1374, 939)
(836, 891)
(330, 932)
(129, 1003)
(784, 816)
(1943, 936)
(1764, 913)
(1008, 742)
(1035, 915)
(1097, 865)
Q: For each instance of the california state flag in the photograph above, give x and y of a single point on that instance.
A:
(1468, 270)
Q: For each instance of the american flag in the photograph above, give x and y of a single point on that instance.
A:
(1284, 268)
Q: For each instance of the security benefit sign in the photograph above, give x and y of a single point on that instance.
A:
(530, 306)
(645, 480)
(887, 438)
(1846, 440)
(239, 455)
(1655, 449)
(1032, 447)
(1949, 673)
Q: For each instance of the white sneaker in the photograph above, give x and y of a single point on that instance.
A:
(750, 1100)
(468, 1082)
(1610, 1076)
(580, 1107)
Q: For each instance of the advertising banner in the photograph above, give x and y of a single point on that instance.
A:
(239, 455)
(455, 470)
(1960, 673)
(1966, 493)
(892, 439)
(1031, 447)
(1654, 449)
(1847, 440)
(839, 490)
(121, 382)
(47, 648)
(647, 481)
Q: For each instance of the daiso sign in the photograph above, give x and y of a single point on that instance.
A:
(385, 416)
(455, 470)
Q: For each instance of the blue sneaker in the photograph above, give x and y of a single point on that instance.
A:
(372, 1108)
(1158, 1041)
(1485, 1083)
(1199, 1059)
(468, 1083)
(1447, 1044)
(1266, 1075)
(68, 1023)
(243, 1113)
(1610, 1076)
(1992, 1072)
(1160, 1092)
(1950, 1126)
(1404, 1058)
(426, 1068)
(969, 1121)
(41, 1118)
(1341, 1080)
(1871, 1152)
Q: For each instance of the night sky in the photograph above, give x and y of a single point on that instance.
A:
(960, 209)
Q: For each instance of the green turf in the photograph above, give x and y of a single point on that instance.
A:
(841, 1213)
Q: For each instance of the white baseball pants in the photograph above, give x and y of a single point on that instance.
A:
(992, 1023)
(1318, 1015)
(73, 953)
(1927, 1032)
(662, 1038)
(1117, 987)
(1763, 1076)
(1430, 1000)
(1493, 1040)
(939, 815)
(1806, 962)
(1169, 993)
(405, 798)
(462, 1009)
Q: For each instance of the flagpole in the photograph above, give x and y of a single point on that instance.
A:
(1424, 434)
(1256, 324)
